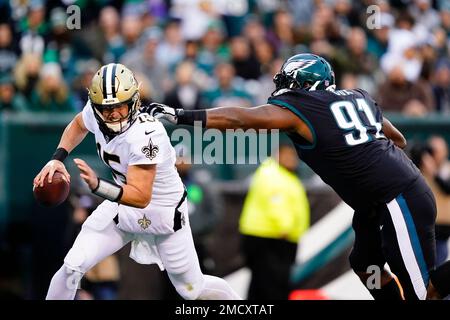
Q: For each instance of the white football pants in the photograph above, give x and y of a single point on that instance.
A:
(176, 251)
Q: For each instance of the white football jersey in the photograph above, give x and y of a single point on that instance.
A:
(145, 142)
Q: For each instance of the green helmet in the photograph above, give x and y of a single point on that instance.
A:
(305, 70)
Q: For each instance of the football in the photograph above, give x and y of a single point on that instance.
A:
(52, 194)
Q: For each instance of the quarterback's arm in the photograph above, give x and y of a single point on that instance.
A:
(265, 116)
(393, 133)
(138, 190)
(135, 193)
(73, 134)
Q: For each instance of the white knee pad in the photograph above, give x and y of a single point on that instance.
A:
(64, 284)
(74, 260)
(73, 277)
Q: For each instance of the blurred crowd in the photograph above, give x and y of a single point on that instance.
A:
(208, 53)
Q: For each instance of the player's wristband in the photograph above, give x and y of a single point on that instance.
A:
(60, 154)
(108, 190)
(190, 116)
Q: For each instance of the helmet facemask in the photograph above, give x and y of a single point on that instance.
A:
(281, 81)
(114, 86)
(115, 128)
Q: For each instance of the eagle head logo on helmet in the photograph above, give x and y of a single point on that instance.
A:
(305, 71)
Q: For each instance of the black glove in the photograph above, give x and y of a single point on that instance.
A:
(176, 116)
(162, 111)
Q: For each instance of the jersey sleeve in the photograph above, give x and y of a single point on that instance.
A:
(149, 145)
(295, 100)
(282, 98)
(373, 105)
(377, 111)
(88, 117)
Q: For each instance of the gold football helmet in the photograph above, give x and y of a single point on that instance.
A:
(112, 86)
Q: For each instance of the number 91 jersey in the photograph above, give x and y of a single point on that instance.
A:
(145, 142)
(349, 150)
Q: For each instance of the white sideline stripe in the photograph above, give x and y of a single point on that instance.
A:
(406, 249)
(239, 281)
(313, 241)
(346, 287)
(323, 232)
(108, 81)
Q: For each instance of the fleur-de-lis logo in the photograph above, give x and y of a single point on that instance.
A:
(144, 222)
(150, 150)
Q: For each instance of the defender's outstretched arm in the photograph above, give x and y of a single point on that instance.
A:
(266, 116)
(261, 117)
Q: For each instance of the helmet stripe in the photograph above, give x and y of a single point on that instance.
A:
(113, 80)
(104, 82)
(108, 80)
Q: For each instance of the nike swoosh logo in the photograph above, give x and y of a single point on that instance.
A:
(149, 132)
